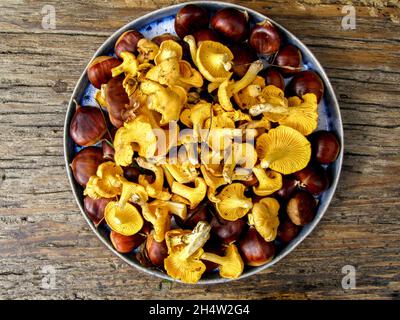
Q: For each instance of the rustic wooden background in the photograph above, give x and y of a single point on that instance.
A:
(40, 223)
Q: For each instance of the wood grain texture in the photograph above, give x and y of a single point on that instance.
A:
(40, 224)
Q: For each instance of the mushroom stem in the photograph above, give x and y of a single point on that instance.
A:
(212, 257)
(249, 77)
(196, 239)
(266, 107)
(193, 47)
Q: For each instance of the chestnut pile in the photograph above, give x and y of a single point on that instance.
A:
(241, 184)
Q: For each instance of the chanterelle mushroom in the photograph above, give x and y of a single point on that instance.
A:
(155, 189)
(264, 217)
(169, 49)
(125, 220)
(106, 183)
(283, 149)
(268, 181)
(135, 135)
(167, 101)
(273, 104)
(230, 266)
(194, 195)
(184, 252)
(129, 66)
(232, 203)
(303, 114)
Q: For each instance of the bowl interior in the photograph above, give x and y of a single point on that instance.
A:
(162, 21)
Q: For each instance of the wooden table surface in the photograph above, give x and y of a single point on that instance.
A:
(40, 224)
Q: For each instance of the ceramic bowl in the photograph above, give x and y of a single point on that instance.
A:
(162, 21)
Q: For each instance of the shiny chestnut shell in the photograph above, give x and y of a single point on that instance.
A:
(313, 178)
(127, 42)
(227, 231)
(125, 244)
(205, 35)
(164, 37)
(87, 126)
(289, 186)
(273, 77)
(254, 250)
(189, 19)
(85, 164)
(265, 38)
(94, 208)
(231, 24)
(301, 208)
(288, 59)
(288, 231)
(156, 251)
(117, 100)
(325, 146)
(99, 70)
(305, 82)
(243, 55)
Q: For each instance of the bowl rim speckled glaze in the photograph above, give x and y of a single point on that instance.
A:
(333, 110)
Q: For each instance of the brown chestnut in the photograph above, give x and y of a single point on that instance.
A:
(99, 70)
(189, 19)
(254, 250)
(265, 38)
(273, 77)
(164, 37)
(94, 208)
(127, 42)
(287, 231)
(156, 251)
(85, 164)
(243, 57)
(312, 178)
(301, 208)
(227, 231)
(204, 35)
(231, 23)
(87, 126)
(125, 244)
(325, 146)
(289, 186)
(131, 174)
(108, 150)
(117, 100)
(305, 82)
(193, 217)
(288, 59)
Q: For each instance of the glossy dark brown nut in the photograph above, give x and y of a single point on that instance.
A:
(99, 70)
(193, 217)
(313, 178)
(94, 208)
(289, 186)
(156, 251)
(108, 151)
(85, 164)
(131, 174)
(288, 59)
(273, 77)
(117, 100)
(164, 37)
(125, 244)
(189, 19)
(243, 57)
(255, 251)
(231, 24)
(265, 38)
(127, 42)
(305, 82)
(325, 147)
(87, 126)
(205, 35)
(301, 208)
(288, 231)
(227, 231)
